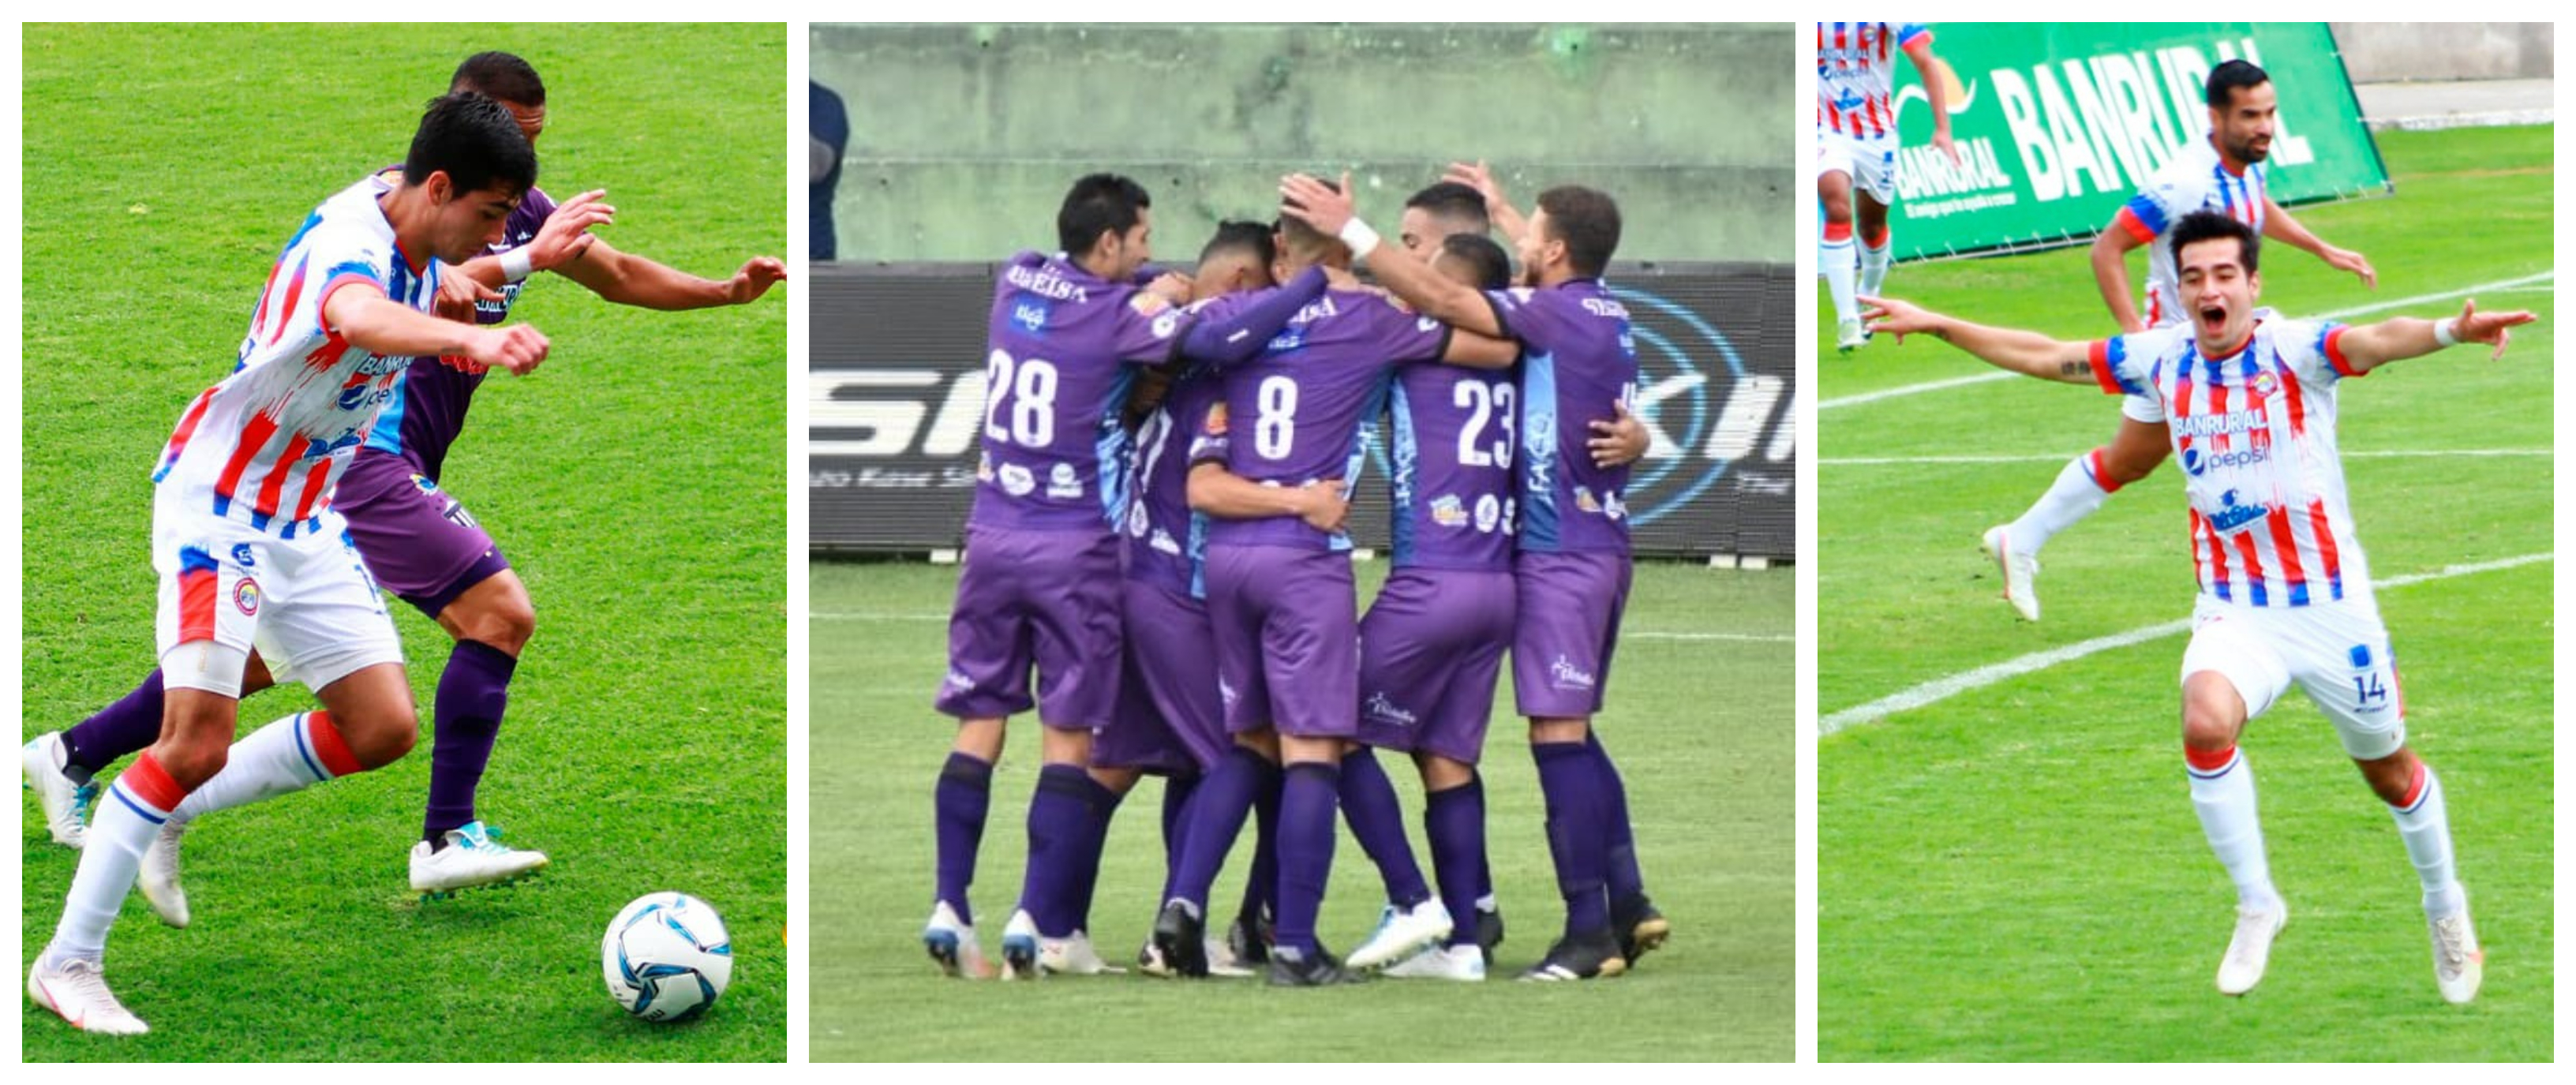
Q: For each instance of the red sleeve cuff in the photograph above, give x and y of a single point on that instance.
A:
(2334, 355)
(2100, 355)
(2128, 220)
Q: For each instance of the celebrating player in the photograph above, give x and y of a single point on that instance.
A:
(419, 541)
(247, 545)
(2285, 591)
(2222, 173)
(1856, 151)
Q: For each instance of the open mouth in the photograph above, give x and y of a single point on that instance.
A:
(2213, 319)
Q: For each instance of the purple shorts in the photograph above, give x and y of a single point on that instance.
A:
(1430, 650)
(1042, 598)
(1569, 624)
(1287, 639)
(419, 542)
(1169, 717)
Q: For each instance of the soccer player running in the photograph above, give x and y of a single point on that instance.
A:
(2222, 173)
(1570, 570)
(248, 547)
(2285, 591)
(1856, 152)
(419, 541)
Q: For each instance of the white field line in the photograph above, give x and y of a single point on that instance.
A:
(1940, 689)
(2376, 306)
(1637, 634)
(2062, 457)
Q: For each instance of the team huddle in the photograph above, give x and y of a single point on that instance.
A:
(1157, 531)
(2245, 400)
(306, 482)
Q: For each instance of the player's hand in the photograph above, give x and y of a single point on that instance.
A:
(457, 295)
(1481, 179)
(1619, 441)
(1941, 140)
(1312, 202)
(1897, 318)
(1171, 287)
(2477, 327)
(758, 274)
(566, 234)
(517, 348)
(1327, 508)
(2348, 260)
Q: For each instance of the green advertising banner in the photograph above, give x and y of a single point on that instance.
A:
(2057, 124)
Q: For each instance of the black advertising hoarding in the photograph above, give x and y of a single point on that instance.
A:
(896, 397)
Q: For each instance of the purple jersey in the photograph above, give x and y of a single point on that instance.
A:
(1166, 542)
(1056, 372)
(1451, 448)
(1578, 361)
(428, 409)
(1292, 414)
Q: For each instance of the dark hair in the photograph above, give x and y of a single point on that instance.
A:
(502, 77)
(1587, 220)
(1102, 203)
(2227, 77)
(1454, 202)
(2200, 226)
(1302, 236)
(1493, 267)
(1242, 236)
(474, 141)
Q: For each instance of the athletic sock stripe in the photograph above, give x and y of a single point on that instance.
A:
(2210, 764)
(148, 788)
(2417, 789)
(328, 747)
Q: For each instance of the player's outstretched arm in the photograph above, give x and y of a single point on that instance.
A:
(2279, 226)
(2111, 250)
(2365, 347)
(564, 238)
(628, 279)
(1919, 51)
(1229, 496)
(366, 318)
(1475, 351)
(2028, 353)
(1236, 337)
(1455, 304)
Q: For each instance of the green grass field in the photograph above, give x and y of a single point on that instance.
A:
(634, 481)
(2015, 872)
(1703, 731)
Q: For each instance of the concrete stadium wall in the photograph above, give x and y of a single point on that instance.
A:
(964, 138)
(2400, 52)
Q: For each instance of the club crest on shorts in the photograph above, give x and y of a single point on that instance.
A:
(246, 595)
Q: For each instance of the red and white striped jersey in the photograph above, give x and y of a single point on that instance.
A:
(2194, 180)
(265, 446)
(1856, 76)
(2254, 433)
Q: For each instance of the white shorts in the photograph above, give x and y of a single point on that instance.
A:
(1871, 163)
(306, 604)
(2339, 653)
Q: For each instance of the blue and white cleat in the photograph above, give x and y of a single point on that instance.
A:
(66, 801)
(474, 857)
(1401, 933)
(952, 945)
(1020, 947)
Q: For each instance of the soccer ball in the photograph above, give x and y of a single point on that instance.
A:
(666, 957)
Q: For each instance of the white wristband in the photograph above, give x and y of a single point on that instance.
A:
(2446, 331)
(1359, 237)
(515, 265)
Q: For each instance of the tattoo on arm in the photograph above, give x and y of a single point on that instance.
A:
(2075, 367)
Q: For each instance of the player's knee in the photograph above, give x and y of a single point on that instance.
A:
(506, 624)
(2209, 726)
(191, 760)
(382, 736)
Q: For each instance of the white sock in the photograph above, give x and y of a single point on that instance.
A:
(1835, 257)
(1873, 269)
(124, 826)
(2426, 829)
(2072, 497)
(2224, 799)
(279, 759)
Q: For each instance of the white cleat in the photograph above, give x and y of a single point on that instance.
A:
(158, 877)
(1020, 947)
(1851, 335)
(952, 945)
(1462, 963)
(2458, 964)
(1401, 933)
(474, 856)
(1073, 956)
(1223, 963)
(2021, 572)
(66, 801)
(78, 991)
(2251, 948)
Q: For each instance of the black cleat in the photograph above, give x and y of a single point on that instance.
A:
(1489, 932)
(1641, 928)
(1288, 968)
(1249, 938)
(1181, 938)
(1589, 956)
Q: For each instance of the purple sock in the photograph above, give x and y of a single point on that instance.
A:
(1627, 886)
(1484, 860)
(1101, 806)
(472, 693)
(1177, 790)
(1261, 886)
(964, 793)
(1059, 814)
(1454, 822)
(132, 723)
(1217, 811)
(1369, 804)
(1307, 797)
(1575, 833)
